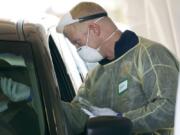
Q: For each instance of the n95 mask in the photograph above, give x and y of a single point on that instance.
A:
(89, 54)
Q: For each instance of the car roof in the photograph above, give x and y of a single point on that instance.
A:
(32, 30)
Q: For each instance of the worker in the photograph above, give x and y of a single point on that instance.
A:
(135, 77)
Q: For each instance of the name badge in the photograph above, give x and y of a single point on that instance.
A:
(123, 86)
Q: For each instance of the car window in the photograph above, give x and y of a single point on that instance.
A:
(23, 117)
(76, 75)
(64, 81)
(76, 67)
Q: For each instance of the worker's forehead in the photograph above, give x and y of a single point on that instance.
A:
(70, 30)
(75, 28)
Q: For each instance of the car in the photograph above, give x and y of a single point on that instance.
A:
(28, 54)
(33, 53)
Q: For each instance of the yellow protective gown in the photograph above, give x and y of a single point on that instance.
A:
(141, 84)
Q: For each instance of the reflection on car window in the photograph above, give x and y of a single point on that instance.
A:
(21, 117)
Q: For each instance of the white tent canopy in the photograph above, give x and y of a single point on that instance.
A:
(157, 20)
(154, 19)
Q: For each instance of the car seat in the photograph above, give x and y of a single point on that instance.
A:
(6, 129)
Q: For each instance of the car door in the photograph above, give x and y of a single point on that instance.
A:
(17, 63)
(25, 58)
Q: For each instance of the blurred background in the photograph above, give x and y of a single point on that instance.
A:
(154, 19)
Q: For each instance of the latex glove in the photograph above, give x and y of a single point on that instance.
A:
(15, 91)
(94, 111)
(90, 114)
(102, 111)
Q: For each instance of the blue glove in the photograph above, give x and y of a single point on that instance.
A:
(120, 115)
(15, 91)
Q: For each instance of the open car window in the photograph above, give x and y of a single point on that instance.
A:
(23, 117)
(77, 69)
(64, 81)
(76, 73)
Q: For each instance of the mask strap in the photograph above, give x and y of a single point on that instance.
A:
(110, 36)
(87, 40)
(94, 16)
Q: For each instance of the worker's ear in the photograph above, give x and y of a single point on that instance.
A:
(95, 28)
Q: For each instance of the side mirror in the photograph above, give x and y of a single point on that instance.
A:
(109, 125)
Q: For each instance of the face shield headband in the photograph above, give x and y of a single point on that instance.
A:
(67, 20)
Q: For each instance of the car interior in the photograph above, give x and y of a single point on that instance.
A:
(23, 117)
(23, 40)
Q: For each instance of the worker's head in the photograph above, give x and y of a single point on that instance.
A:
(89, 28)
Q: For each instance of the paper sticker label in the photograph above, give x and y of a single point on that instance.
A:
(123, 86)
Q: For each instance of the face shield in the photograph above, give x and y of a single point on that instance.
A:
(67, 20)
